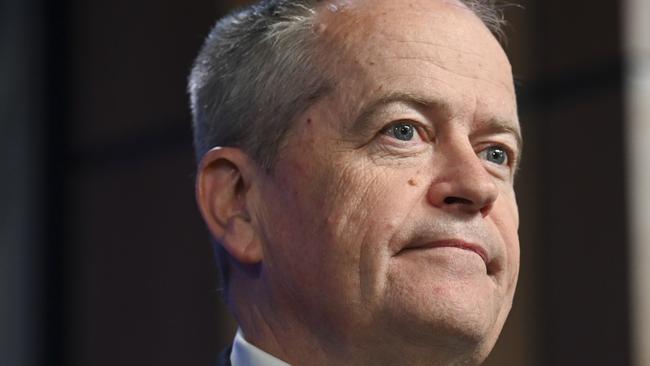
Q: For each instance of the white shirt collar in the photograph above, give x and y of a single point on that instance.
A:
(246, 354)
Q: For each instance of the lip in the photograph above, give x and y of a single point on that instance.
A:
(450, 243)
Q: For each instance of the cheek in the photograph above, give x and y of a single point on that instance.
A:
(366, 209)
(310, 213)
(506, 212)
(506, 220)
(366, 203)
(341, 214)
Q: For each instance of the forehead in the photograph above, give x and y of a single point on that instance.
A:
(448, 21)
(437, 46)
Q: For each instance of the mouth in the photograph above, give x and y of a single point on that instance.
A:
(449, 243)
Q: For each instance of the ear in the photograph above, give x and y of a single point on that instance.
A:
(223, 181)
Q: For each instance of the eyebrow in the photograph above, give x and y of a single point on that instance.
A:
(368, 111)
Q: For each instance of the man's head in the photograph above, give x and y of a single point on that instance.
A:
(380, 224)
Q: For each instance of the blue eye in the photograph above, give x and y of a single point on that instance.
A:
(496, 155)
(402, 131)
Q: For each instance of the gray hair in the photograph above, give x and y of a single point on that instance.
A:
(258, 69)
(254, 74)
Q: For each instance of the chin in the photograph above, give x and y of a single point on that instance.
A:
(462, 318)
(460, 341)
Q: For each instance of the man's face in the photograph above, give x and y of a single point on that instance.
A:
(390, 221)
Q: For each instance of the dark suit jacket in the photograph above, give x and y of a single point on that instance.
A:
(224, 357)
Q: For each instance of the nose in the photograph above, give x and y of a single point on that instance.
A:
(462, 184)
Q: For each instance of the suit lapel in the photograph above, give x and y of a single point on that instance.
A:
(224, 357)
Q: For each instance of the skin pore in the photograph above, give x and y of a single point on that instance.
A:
(387, 232)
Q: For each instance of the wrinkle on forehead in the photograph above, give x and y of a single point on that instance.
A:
(420, 26)
(462, 73)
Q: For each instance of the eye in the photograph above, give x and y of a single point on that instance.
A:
(495, 154)
(402, 131)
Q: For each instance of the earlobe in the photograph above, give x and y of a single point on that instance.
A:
(223, 182)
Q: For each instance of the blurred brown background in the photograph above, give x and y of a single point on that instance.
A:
(104, 259)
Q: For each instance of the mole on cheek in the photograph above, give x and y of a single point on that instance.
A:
(412, 182)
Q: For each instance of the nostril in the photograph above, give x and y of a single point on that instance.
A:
(453, 200)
